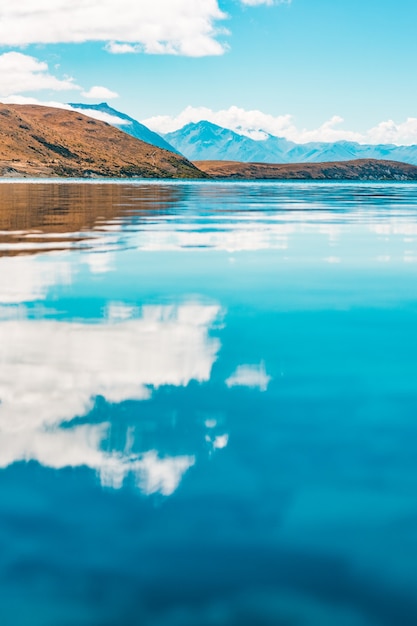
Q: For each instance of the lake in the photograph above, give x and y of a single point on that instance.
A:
(208, 404)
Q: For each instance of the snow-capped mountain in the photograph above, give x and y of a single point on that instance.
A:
(126, 123)
(207, 141)
(203, 141)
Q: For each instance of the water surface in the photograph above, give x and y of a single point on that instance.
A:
(208, 404)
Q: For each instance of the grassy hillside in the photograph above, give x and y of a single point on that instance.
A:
(43, 141)
(361, 169)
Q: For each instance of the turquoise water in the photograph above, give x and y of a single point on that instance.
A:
(208, 407)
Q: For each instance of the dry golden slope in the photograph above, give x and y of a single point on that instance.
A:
(360, 169)
(44, 141)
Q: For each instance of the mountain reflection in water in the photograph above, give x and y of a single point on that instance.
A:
(207, 404)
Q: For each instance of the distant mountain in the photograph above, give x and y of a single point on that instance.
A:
(204, 141)
(207, 141)
(346, 150)
(359, 169)
(43, 141)
(129, 125)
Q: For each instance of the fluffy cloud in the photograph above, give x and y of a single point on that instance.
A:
(256, 3)
(51, 372)
(27, 279)
(102, 116)
(258, 125)
(18, 99)
(252, 376)
(83, 446)
(120, 360)
(253, 123)
(97, 115)
(122, 48)
(100, 93)
(404, 133)
(329, 132)
(20, 73)
(157, 27)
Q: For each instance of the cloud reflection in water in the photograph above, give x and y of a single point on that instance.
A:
(51, 372)
(26, 279)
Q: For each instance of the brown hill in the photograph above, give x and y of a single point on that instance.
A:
(43, 141)
(360, 169)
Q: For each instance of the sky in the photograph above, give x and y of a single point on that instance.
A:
(302, 69)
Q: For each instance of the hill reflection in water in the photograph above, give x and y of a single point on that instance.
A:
(37, 216)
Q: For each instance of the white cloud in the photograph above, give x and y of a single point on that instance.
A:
(102, 116)
(51, 371)
(249, 376)
(255, 3)
(235, 118)
(99, 262)
(100, 93)
(253, 123)
(161, 475)
(18, 99)
(122, 48)
(404, 133)
(220, 442)
(120, 312)
(328, 132)
(157, 27)
(20, 73)
(83, 446)
(119, 360)
(258, 125)
(26, 279)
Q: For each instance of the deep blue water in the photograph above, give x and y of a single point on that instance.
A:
(208, 404)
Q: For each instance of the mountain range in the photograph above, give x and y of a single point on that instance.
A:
(40, 141)
(204, 141)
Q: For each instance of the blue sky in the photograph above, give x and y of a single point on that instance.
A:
(305, 65)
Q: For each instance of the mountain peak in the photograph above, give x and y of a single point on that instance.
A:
(204, 140)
